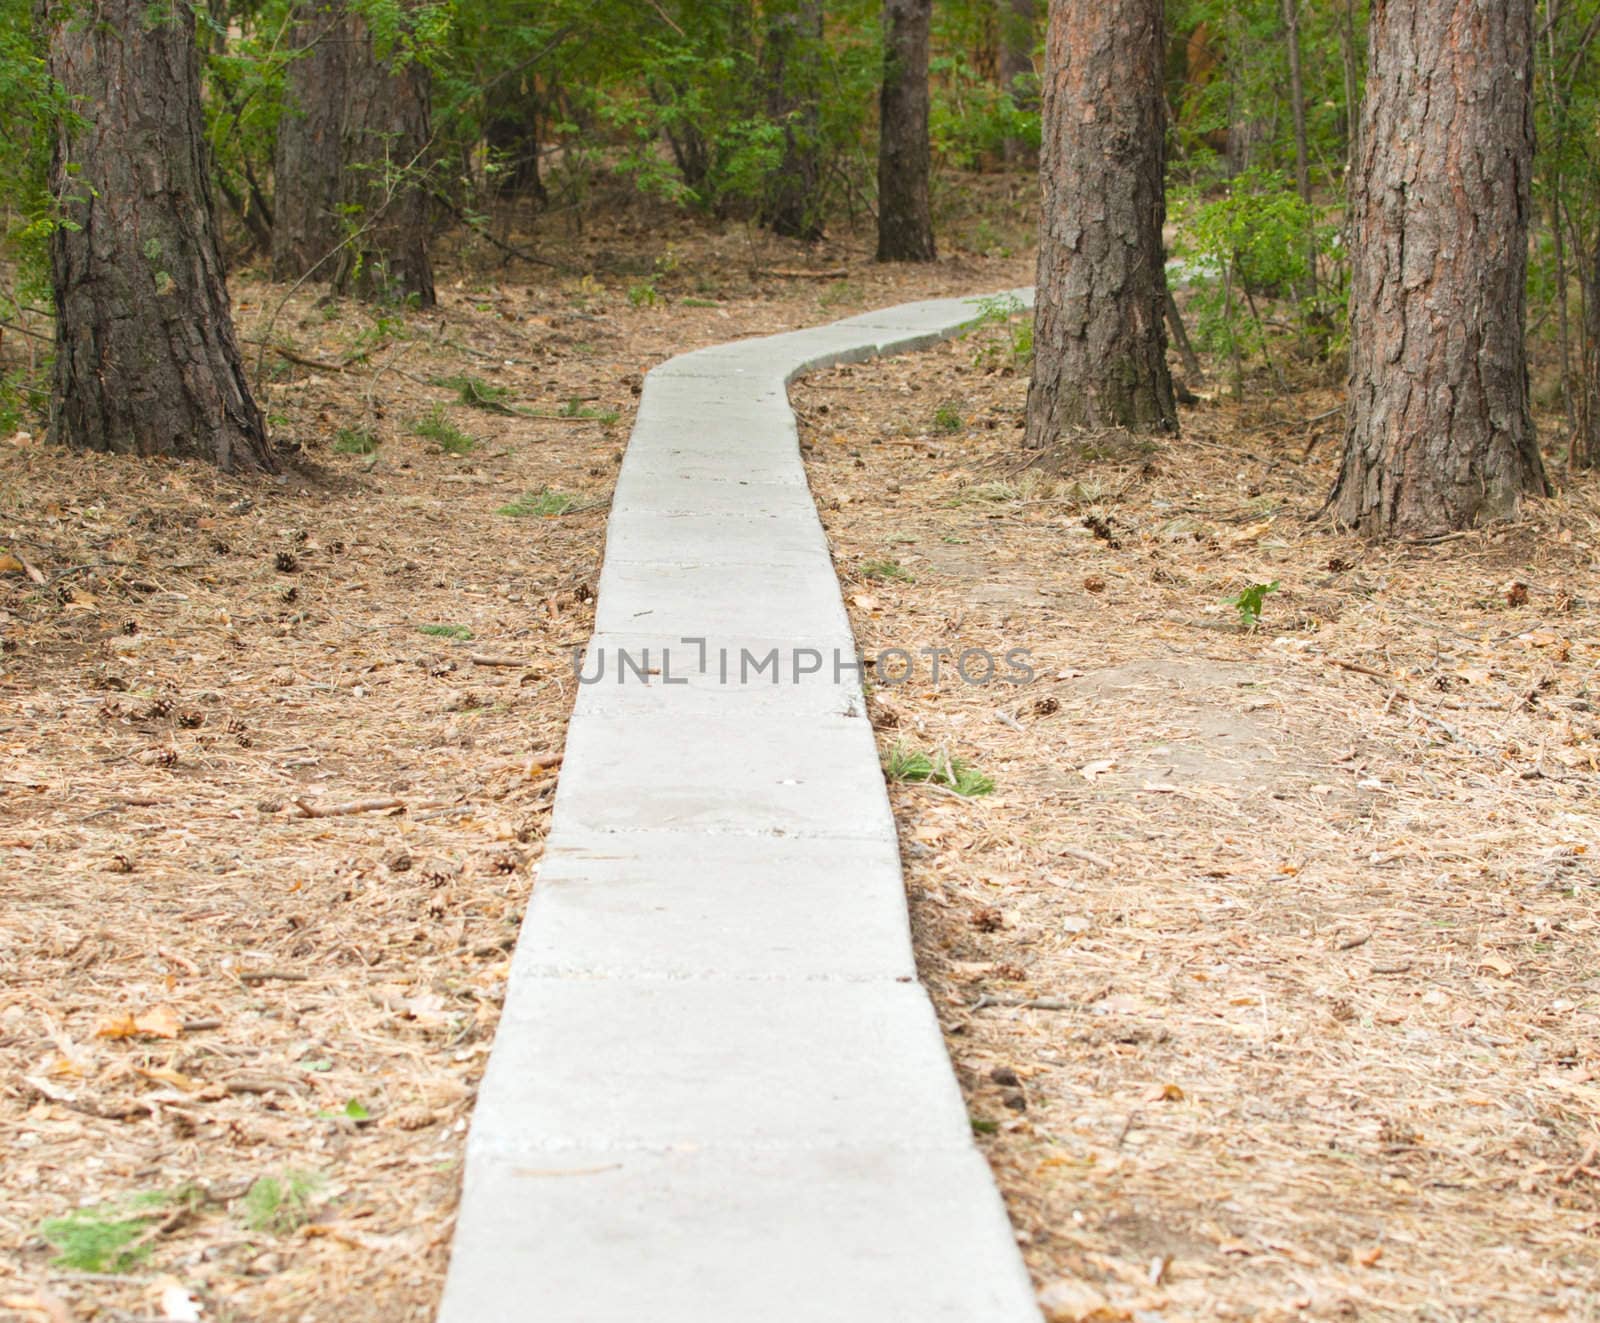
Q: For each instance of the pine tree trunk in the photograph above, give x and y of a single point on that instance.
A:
(905, 216)
(788, 59)
(1585, 449)
(1016, 66)
(1440, 435)
(146, 358)
(1099, 337)
(352, 206)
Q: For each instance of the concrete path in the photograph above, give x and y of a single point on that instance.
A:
(718, 1093)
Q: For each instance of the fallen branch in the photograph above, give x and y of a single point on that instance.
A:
(487, 659)
(789, 273)
(345, 810)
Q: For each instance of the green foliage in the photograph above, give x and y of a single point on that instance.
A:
(906, 764)
(106, 1237)
(477, 393)
(278, 1205)
(1012, 350)
(355, 441)
(437, 428)
(543, 503)
(947, 419)
(885, 569)
(970, 118)
(458, 632)
(1250, 601)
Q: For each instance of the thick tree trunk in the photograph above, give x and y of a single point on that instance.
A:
(1439, 433)
(146, 358)
(905, 216)
(1099, 341)
(352, 203)
(1016, 66)
(789, 61)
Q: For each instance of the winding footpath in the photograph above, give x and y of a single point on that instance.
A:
(718, 1093)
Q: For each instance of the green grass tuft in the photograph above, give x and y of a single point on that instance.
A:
(439, 429)
(543, 503)
(355, 441)
(885, 569)
(278, 1205)
(904, 764)
(446, 631)
(477, 393)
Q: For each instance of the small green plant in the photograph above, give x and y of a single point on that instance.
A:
(107, 1237)
(355, 441)
(460, 632)
(947, 419)
(904, 764)
(885, 569)
(1249, 603)
(575, 408)
(839, 294)
(440, 430)
(543, 503)
(644, 294)
(476, 393)
(694, 302)
(278, 1205)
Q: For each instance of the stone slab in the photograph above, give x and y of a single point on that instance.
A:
(650, 537)
(683, 905)
(818, 1236)
(595, 1064)
(692, 599)
(728, 775)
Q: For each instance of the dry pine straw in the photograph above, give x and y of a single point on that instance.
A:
(1272, 967)
(310, 992)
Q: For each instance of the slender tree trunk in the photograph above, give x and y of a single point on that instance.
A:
(146, 358)
(905, 216)
(1584, 452)
(1016, 67)
(1302, 154)
(793, 206)
(1440, 435)
(1099, 343)
(352, 202)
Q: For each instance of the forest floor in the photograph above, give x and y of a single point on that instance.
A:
(276, 760)
(1271, 965)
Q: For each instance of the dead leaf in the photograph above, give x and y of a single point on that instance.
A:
(1066, 1301)
(1099, 767)
(1165, 1093)
(42, 1303)
(1499, 964)
(1366, 1258)
(11, 563)
(177, 1303)
(176, 1078)
(157, 1022)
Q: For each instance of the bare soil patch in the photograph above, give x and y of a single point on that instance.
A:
(1272, 966)
(278, 757)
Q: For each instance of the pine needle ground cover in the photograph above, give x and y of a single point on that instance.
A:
(1269, 963)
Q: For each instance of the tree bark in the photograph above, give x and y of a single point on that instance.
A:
(146, 358)
(793, 206)
(905, 215)
(1016, 67)
(1439, 434)
(1584, 452)
(352, 203)
(1099, 342)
